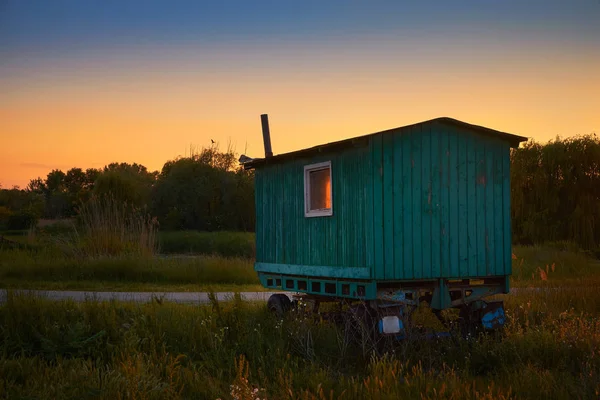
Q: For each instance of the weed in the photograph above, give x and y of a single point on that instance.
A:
(236, 349)
(50, 265)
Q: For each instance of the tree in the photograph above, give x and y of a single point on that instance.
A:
(58, 204)
(203, 191)
(556, 191)
(130, 183)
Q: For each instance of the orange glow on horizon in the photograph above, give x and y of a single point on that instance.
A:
(95, 117)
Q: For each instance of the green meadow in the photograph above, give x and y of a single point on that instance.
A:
(237, 350)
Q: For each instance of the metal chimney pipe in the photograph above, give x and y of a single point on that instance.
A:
(264, 119)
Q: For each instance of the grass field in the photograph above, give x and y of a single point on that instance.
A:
(237, 350)
(553, 266)
(49, 269)
(223, 243)
(226, 244)
(549, 349)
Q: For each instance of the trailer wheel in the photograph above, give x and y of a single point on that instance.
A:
(279, 304)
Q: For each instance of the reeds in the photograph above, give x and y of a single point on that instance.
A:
(107, 227)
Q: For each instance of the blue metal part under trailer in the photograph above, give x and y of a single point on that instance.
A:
(393, 317)
(477, 316)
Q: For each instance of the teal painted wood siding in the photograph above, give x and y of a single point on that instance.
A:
(448, 207)
(422, 202)
(345, 239)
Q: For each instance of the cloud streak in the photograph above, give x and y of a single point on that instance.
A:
(41, 166)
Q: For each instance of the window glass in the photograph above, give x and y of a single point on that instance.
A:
(320, 189)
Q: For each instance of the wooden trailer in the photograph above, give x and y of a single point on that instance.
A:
(415, 213)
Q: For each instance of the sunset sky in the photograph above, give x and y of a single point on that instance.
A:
(86, 83)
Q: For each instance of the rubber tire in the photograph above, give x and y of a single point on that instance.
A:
(279, 304)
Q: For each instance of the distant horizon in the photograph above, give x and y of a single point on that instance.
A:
(84, 84)
(221, 146)
(101, 166)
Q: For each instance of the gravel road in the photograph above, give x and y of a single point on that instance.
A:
(140, 297)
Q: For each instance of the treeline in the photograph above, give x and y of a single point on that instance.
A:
(556, 192)
(205, 191)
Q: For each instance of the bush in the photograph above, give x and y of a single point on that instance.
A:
(227, 244)
(21, 220)
(5, 214)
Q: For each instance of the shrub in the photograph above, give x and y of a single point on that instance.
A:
(21, 220)
(227, 244)
(5, 214)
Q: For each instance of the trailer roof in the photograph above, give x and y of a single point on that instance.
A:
(513, 139)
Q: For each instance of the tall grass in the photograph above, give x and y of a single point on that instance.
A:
(237, 350)
(52, 265)
(110, 227)
(553, 265)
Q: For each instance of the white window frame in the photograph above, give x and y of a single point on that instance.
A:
(325, 212)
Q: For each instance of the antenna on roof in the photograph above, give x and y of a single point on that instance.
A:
(264, 119)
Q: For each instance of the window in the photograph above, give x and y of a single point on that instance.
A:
(317, 190)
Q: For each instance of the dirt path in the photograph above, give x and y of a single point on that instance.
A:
(143, 297)
(139, 297)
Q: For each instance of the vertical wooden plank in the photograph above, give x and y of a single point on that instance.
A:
(270, 194)
(462, 232)
(434, 200)
(399, 201)
(481, 207)
(367, 193)
(344, 207)
(303, 227)
(388, 204)
(378, 206)
(331, 239)
(426, 203)
(360, 185)
(340, 212)
(498, 211)
(445, 192)
(283, 217)
(349, 205)
(507, 242)
(472, 203)
(407, 210)
(277, 193)
(489, 209)
(292, 217)
(270, 243)
(284, 222)
(417, 189)
(279, 189)
(259, 204)
(299, 211)
(457, 203)
(359, 208)
(269, 239)
(264, 211)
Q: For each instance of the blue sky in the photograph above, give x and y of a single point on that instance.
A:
(82, 83)
(66, 25)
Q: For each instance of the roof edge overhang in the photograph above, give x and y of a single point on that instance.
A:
(512, 139)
